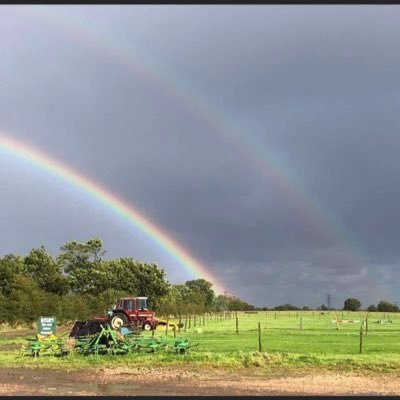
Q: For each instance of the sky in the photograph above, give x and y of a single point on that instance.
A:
(263, 139)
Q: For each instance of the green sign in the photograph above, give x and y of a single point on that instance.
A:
(46, 325)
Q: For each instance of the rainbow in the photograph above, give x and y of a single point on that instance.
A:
(311, 213)
(314, 216)
(127, 211)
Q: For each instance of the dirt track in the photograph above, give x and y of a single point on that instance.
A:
(168, 381)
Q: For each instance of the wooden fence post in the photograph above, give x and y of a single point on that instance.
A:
(259, 337)
(361, 338)
(190, 321)
(337, 322)
(366, 326)
(166, 327)
(301, 323)
(237, 324)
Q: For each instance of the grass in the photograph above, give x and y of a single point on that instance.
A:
(318, 345)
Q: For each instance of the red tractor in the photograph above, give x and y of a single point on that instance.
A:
(132, 311)
(129, 312)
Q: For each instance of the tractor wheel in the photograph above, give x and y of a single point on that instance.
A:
(147, 326)
(118, 321)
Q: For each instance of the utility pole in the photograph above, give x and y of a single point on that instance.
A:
(329, 300)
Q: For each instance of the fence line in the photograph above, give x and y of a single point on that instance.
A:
(301, 328)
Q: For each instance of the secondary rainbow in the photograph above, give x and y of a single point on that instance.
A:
(312, 213)
(112, 202)
(314, 216)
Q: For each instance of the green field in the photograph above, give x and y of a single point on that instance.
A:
(290, 339)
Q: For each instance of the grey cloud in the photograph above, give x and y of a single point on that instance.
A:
(312, 89)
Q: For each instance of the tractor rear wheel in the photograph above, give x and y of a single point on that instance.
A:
(118, 321)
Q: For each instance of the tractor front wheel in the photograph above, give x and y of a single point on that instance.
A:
(118, 321)
(147, 326)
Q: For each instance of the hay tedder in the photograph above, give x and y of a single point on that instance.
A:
(102, 339)
(42, 344)
(110, 341)
(46, 342)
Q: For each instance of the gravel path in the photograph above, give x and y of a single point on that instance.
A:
(190, 381)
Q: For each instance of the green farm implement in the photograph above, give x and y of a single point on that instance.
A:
(109, 341)
(182, 345)
(46, 342)
(46, 345)
(152, 344)
(99, 336)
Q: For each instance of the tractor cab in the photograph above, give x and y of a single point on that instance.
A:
(132, 304)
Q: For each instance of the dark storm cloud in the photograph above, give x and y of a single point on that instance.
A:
(314, 89)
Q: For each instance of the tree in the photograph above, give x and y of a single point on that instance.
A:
(79, 261)
(233, 303)
(138, 279)
(10, 267)
(372, 308)
(221, 303)
(179, 301)
(42, 269)
(150, 281)
(4, 309)
(26, 301)
(196, 301)
(385, 306)
(78, 255)
(352, 304)
(74, 307)
(95, 249)
(204, 287)
(286, 307)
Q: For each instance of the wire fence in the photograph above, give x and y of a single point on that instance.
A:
(303, 332)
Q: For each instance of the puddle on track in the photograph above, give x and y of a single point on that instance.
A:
(102, 389)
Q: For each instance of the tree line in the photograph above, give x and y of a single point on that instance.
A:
(79, 283)
(350, 304)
